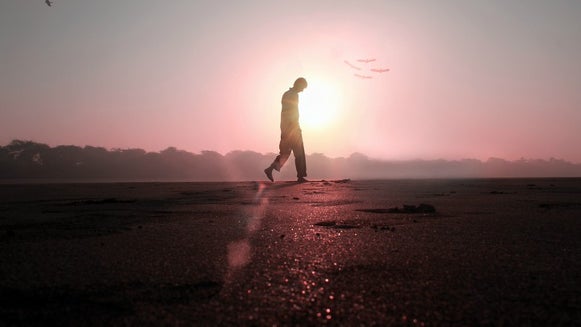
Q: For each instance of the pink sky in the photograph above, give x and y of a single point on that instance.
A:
(472, 79)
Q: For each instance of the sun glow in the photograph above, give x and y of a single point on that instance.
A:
(320, 104)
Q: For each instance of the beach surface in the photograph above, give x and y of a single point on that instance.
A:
(393, 252)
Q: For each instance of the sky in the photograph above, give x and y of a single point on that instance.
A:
(466, 79)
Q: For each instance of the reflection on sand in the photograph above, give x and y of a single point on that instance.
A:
(240, 252)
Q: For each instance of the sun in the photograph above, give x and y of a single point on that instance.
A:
(320, 104)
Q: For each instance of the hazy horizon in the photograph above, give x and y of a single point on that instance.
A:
(466, 79)
(22, 160)
(275, 153)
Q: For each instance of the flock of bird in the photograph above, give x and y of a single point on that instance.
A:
(365, 62)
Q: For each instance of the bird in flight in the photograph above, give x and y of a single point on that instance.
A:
(48, 3)
(365, 69)
(366, 60)
(379, 70)
(351, 65)
(363, 76)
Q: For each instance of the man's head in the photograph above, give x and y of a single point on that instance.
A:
(300, 84)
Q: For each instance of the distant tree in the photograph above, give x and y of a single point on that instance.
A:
(22, 159)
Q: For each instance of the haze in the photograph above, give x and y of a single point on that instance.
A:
(467, 79)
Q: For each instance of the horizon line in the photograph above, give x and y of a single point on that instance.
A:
(311, 154)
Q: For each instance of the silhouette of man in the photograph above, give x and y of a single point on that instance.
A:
(291, 138)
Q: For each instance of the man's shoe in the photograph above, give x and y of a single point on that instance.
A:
(302, 180)
(268, 172)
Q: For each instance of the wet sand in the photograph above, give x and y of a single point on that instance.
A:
(478, 252)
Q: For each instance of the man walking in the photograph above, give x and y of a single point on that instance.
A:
(291, 138)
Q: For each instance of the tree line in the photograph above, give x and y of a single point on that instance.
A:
(28, 160)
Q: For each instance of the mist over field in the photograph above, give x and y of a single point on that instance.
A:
(27, 160)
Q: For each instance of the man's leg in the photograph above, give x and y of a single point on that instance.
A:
(300, 159)
(285, 151)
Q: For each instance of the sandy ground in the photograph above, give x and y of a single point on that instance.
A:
(494, 252)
